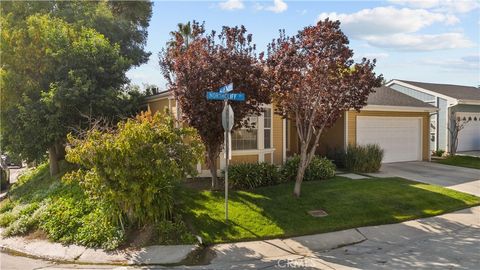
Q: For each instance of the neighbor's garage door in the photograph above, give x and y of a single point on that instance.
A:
(469, 136)
(399, 137)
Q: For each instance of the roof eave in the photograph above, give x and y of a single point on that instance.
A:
(468, 102)
(398, 108)
(427, 91)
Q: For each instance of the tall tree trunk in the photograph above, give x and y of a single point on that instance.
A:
(53, 160)
(60, 149)
(212, 165)
(302, 166)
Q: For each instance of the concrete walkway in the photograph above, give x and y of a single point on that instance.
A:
(78, 254)
(469, 153)
(458, 178)
(443, 242)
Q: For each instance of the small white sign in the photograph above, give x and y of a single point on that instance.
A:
(227, 113)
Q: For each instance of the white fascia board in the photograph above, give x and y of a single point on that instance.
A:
(398, 108)
(469, 102)
(452, 101)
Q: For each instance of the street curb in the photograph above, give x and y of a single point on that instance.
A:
(239, 252)
(150, 255)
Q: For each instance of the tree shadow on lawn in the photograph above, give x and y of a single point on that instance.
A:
(273, 211)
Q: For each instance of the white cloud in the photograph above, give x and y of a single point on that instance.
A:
(469, 63)
(398, 28)
(278, 6)
(452, 6)
(420, 42)
(232, 5)
(387, 20)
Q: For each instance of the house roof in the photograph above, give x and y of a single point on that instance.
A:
(460, 92)
(386, 96)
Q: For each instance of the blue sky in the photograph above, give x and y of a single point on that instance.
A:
(425, 40)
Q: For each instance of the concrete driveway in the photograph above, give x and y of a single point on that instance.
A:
(458, 178)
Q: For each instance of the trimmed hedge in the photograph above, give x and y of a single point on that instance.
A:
(364, 158)
(252, 175)
(319, 169)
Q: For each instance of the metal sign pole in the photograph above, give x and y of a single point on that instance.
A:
(227, 155)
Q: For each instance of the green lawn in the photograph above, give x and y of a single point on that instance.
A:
(462, 161)
(273, 212)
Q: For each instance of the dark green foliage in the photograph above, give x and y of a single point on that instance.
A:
(337, 156)
(63, 64)
(320, 168)
(174, 232)
(252, 175)
(363, 158)
(4, 178)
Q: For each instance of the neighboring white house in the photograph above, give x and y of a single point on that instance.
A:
(462, 101)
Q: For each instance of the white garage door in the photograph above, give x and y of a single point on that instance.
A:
(469, 137)
(399, 137)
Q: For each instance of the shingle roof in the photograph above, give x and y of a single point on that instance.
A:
(386, 96)
(455, 91)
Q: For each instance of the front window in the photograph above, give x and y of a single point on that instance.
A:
(267, 128)
(246, 138)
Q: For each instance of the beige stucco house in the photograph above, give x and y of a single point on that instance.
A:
(395, 121)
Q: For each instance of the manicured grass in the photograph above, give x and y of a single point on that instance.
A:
(273, 212)
(462, 161)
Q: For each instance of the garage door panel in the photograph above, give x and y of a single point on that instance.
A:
(469, 137)
(399, 137)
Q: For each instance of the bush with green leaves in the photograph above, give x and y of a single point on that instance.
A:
(438, 153)
(319, 169)
(252, 175)
(174, 232)
(99, 230)
(61, 210)
(135, 167)
(363, 158)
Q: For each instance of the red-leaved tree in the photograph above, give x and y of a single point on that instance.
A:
(206, 63)
(314, 81)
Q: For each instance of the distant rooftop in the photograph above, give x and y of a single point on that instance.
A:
(461, 92)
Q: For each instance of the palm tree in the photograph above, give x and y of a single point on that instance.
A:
(185, 31)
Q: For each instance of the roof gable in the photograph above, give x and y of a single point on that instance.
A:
(459, 92)
(386, 96)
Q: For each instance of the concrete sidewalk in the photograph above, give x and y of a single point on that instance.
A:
(78, 254)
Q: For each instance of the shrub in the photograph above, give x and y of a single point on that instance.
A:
(363, 158)
(25, 222)
(7, 205)
(320, 168)
(135, 167)
(62, 218)
(174, 232)
(252, 175)
(438, 153)
(337, 156)
(16, 212)
(98, 230)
